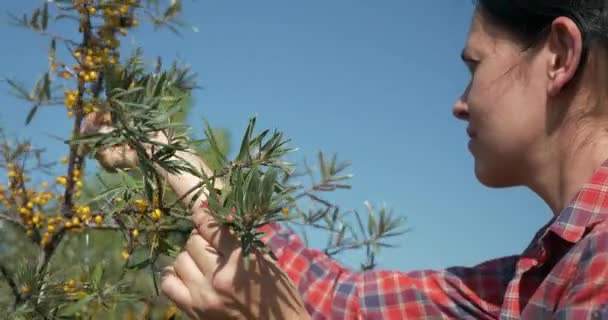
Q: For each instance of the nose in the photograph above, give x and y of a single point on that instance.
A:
(460, 110)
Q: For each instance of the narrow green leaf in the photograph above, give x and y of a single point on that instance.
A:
(66, 16)
(46, 88)
(371, 224)
(97, 274)
(244, 153)
(31, 114)
(74, 308)
(323, 168)
(140, 265)
(267, 188)
(34, 19)
(45, 15)
(53, 50)
(20, 91)
(172, 10)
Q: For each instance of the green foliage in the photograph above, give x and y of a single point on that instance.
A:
(93, 246)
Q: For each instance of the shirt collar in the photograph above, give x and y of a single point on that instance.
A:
(588, 208)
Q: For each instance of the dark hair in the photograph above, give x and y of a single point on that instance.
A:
(530, 20)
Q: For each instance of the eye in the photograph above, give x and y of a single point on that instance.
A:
(470, 62)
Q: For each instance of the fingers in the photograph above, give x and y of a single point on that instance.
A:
(218, 236)
(203, 254)
(117, 157)
(187, 270)
(96, 120)
(175, 289)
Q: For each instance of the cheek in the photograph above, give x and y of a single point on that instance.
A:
(506, 121)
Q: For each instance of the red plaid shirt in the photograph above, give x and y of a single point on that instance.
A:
(563, 274)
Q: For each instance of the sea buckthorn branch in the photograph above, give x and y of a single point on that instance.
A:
(137, 103)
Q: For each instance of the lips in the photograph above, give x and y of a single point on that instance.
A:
(471, 133)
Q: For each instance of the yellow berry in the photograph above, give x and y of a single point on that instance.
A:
(30, 205)
(98, 220)
(285, 211)
(156, 214)
(64, 160)
(135, 233)
(75, 221)
(50, 228)
(44, 184)
(92, 10)
(29, 233)
(141, 204)
(125, 254)
(12, 174)
(68, 224)
(71, 282)
(65, 75)
(25, 289)
(61, 180)
(11, 166)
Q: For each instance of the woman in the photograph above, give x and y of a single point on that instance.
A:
(538, 117)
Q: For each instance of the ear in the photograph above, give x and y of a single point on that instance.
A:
(565, 45)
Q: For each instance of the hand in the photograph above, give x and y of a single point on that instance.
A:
(207, 280)
(119, 156)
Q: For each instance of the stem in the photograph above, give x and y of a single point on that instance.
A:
(74, 162)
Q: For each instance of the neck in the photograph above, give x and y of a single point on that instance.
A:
(570, 163)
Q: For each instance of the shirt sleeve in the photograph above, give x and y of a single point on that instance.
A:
(587, 292)
(331, 291)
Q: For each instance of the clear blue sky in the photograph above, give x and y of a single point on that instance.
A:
(372, 81)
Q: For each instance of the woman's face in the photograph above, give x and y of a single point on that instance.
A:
(504, 105)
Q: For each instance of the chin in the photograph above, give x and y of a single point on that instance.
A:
(495, 177)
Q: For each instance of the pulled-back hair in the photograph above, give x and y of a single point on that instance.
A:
(530, 20)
